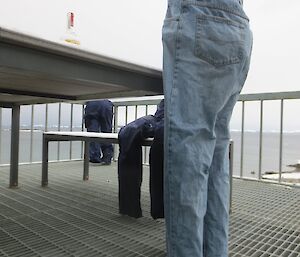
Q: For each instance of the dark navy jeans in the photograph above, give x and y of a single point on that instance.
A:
(156, 160)
(98, 118)
(130, 166)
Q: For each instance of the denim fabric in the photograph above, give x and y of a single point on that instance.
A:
(156, 161)
(207, 47)
(98, 118)
(130, 172)
(159, 114)
(130, 164)
(93, 125)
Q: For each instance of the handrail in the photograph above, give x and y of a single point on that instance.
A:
(126, 114)
(270, 96)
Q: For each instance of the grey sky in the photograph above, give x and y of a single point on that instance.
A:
(131, 30)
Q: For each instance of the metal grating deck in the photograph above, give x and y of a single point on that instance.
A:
(76, 218)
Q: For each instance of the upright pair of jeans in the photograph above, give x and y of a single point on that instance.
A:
(98, 118)
(93, 125)
(207, 48)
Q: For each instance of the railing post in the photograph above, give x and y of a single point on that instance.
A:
(86, 160)
(115, 129)
(280, 141)
(147, 109)
(260, 139)
(145, 147)
(82, 129)
(116, 119)
(46, 118)
(1, 134)
(58, 129)
(230, 173)
(45, 157)
(71, 129)
(31, 133)
(136, 111)
(126, 115)
(242, 139)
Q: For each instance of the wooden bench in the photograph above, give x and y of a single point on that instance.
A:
(88, 137)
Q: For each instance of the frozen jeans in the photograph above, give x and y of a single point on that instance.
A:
(207, 47)
(98, 118)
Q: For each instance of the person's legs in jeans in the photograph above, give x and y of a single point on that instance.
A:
(94, 150)
(205, 51)
(216, 219)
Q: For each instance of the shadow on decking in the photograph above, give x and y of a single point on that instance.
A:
(75, 218)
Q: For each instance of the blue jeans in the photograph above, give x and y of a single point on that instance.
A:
(207, 47)
(130, 170)
(98, 118)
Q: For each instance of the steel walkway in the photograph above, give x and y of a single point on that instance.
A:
(75, 218)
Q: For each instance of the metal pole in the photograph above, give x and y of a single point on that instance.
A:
(281, 141)
(147, 109)
(126, 115)
(115, 129)
(86, 160)
(46, 118)
(71, 129)
(136, 110)
(145, 147)
(242, 139)
(45, 153)
(115, 119)
(82, 128)
(31, 133)
(14, 151)
(230, 174)
(260, 138)
(58, 128)
(1, 134)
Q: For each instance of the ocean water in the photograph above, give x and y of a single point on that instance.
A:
(270, 150)
(25, 146)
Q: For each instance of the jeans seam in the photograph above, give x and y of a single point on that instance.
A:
(171, 190)
(215, 6)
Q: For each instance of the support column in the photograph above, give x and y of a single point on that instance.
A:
(14, 149)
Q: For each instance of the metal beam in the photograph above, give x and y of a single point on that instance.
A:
(42, 71)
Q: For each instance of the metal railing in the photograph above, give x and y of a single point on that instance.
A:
(282, 98)
(127, 111)
(148, 106)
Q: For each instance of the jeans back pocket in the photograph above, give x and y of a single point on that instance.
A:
(219, 41)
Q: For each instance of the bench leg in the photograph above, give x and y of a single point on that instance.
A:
(45, 162)
(86, 161)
